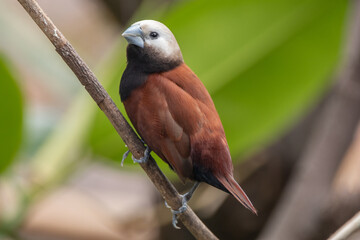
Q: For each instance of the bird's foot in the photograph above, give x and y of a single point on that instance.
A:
(185, 198)
(124, 157)
(181, 209)
(144, 158)
(141, 160)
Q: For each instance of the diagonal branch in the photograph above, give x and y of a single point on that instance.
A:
(106, 104)
(347, 229)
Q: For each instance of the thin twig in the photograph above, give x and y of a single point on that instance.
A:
(347, 229)
(106, 104)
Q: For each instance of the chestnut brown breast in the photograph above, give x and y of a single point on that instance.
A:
(175, 115)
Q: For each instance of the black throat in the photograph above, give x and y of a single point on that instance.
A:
(141, 63)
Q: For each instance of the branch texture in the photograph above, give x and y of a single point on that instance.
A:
(106, 104)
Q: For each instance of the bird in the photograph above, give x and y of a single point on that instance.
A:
(173, 113)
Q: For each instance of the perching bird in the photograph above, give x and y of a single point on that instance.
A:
(172, 111)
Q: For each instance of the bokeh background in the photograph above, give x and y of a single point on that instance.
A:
(268, 65)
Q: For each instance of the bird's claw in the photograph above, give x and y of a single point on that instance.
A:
(141, 160)
(175, 213)
(124, 157)
(144, 158)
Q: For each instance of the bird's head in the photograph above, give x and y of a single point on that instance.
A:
(152, 41)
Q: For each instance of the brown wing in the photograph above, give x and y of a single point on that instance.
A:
(167, 111)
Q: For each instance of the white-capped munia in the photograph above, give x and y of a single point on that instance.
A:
(173, 112)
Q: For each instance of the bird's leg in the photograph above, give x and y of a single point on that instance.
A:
(189, 194)
(184, 200)
(144, 158)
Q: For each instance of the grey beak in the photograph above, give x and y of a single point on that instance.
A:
(134, 35)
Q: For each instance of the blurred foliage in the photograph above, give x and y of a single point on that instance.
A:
(262, 61)
(268, 59)
(64, 147)
(122, 10)
(11, 119)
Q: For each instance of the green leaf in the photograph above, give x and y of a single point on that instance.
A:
(262, 61)
(11, 119)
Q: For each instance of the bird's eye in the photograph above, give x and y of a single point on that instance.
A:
(154, 35)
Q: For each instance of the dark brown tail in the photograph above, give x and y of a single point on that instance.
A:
(233, 187)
